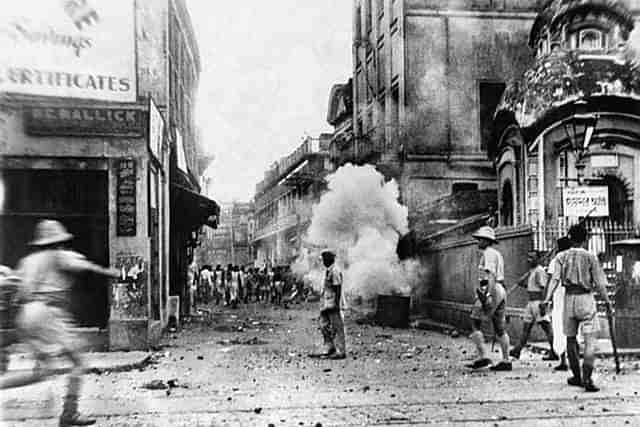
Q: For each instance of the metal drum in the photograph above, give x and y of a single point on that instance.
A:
(393, 311)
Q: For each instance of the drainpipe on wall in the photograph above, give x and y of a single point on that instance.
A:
(447, 69)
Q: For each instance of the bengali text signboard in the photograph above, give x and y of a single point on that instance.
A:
(69, 48)
(586, 200)
(126, 197)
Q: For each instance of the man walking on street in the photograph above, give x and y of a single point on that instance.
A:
(536, 283)
(331, 322)
(219, 284)
(43, 322)
(581, 274)
(491, 301)
(559, 338)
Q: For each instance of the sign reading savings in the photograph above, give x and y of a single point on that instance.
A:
(586, 200)
(69, 48)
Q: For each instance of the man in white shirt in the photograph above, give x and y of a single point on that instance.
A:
(491, 301)
(331, 322)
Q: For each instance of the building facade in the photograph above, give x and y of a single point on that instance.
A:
(568, 129)
(284, 200)
(427, 77)
(230, 242)
(103, 142)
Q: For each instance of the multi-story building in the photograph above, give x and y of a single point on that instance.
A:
(284, 199)
(99, 134)
(427, 76)
(230, 242)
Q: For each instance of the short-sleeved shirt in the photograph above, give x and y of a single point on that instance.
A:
(206, 276)
(48, 273)
(579, 268)
(537, 280)
(332, 288)
(491, 261)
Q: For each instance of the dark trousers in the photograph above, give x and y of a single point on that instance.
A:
(332, 327)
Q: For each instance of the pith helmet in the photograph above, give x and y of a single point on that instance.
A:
(487, 233)
(49, 232)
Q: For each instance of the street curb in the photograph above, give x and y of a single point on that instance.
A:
(432, 325)
(125, 367)
(116, 368)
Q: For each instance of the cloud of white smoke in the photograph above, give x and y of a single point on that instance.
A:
(360, 217)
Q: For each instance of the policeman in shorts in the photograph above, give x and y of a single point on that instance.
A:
(581, 274)
(491, 301)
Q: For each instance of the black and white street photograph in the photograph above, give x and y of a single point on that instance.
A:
(319, 213)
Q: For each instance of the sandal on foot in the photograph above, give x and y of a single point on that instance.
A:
(480, 363)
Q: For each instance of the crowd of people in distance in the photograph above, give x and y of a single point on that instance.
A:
(236, 285)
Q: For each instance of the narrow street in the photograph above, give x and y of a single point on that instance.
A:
(250, 367)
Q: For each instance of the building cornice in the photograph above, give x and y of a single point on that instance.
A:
(471, 14)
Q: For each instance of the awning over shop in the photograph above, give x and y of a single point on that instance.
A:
(192, 209)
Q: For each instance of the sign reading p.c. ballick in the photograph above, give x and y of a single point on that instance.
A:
(586, 200)
(126, 197)
(84, 121)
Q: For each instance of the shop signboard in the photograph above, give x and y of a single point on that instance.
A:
(126, 197)
(84, 121)
(156, 130)
(69, 48)
(586, 200)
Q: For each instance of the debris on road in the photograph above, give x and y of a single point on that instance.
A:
(155, 385)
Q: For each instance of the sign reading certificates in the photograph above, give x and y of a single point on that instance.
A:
(586, 200)
(69, 48)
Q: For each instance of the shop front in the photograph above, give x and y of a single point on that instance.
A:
(89, 166)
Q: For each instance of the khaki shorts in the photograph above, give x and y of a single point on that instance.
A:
(498, 318)
(579, 309)
(532, 313)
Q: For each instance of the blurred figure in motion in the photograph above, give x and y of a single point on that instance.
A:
(43, 323)
(9, 304)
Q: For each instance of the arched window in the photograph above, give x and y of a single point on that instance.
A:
(506, 208)
(620, 202)
(588, 39)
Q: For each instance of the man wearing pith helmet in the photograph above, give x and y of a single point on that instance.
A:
(491, 301)
(331, 322)
(44, 324)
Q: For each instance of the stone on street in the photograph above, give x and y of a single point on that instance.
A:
(211, 374)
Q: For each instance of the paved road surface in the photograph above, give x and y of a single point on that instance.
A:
(249, 368)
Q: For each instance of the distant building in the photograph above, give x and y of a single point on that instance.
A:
(427, 77)
(284, 198)
(230, 243)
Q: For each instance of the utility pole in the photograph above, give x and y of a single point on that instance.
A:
(233, 253)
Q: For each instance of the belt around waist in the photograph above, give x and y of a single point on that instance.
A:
(576, 290)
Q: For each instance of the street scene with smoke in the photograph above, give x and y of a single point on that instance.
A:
(361, 218)
(321, 213)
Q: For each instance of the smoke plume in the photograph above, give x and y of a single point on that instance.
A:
(360, 217)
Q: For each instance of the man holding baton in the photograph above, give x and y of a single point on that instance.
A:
(581, 274)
